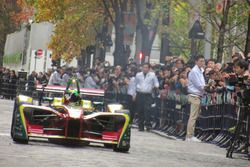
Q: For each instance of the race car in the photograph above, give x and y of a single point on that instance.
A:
(79, 115)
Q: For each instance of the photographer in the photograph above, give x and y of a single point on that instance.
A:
(91, 81)
(116, 81)
(239, 78)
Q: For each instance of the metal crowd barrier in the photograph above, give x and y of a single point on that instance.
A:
(216, 123)
(9, 90)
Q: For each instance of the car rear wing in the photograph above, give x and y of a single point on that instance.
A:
(61, 89)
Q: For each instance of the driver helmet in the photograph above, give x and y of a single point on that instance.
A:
(72, 96)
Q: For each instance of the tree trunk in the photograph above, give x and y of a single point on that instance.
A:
(145, 43)
(119, 56)
(147, 36)
(140, 11)
(222, 29)
(247, 48)
(208, 35)
(165, 48)
(1, 54)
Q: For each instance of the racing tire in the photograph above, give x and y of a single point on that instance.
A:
(12, 133)
(109, 145)
(20, 141)
(13, 119)
(122, 150)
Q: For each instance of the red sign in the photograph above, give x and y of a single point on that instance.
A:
(39, 53)
(140, 55)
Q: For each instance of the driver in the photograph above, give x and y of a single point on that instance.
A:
(72, 97)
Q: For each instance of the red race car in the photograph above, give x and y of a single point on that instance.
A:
(79, 115)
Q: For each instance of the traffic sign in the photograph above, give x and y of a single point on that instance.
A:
(196, 31)
(39, 53)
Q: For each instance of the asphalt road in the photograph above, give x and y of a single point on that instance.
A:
(147, 149)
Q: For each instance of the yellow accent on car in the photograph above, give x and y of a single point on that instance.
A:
(114, 107)
(57, 101)
(87, 105)
(127, 119)
(23, 118)
(25, 99)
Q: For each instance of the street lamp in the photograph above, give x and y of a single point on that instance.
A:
(195, 32)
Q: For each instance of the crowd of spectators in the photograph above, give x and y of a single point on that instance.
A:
(172, 76)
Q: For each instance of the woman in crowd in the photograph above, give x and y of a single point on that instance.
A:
(12, 84)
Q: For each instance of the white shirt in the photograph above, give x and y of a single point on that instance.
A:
(55, 78)
(145, 84)
(131, 87)
(65, 79)
(90, 83)
(196, 81)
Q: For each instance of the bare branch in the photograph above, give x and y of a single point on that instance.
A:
(109, 13)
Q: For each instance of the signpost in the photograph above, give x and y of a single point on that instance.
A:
(38, 55)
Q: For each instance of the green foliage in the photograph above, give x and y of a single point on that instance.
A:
(12, 59)
(179, 28)
(75, 23)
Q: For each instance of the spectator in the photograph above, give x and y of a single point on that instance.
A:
(91, 81)
(196, 84)
(179, 64)
(31, 82)
(211, 63)
(183, 79)
(12, 84)
(132, 93)
(236, 57)
(5, 84)
(41, 78)
(55, 78)
(64, 77)
(145, 82)
(217, 67)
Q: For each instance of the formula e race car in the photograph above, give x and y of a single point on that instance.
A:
(79, 115)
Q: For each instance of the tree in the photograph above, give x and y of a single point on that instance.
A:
(222, 29)
(229, 26)
(75, 23)
(165, 43)
(22, 12)
(247, 47)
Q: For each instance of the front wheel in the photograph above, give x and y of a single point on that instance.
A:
(123, 150)
(13, 125)
(21, 141)
(109, 145)
(13, 119)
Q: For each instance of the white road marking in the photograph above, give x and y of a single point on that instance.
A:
(4, 134)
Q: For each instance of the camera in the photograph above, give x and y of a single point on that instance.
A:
(244, 94)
